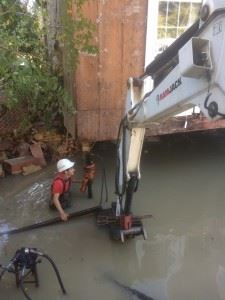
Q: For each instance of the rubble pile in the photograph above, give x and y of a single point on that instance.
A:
(29, 153)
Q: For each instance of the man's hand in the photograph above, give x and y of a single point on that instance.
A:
(64, 216)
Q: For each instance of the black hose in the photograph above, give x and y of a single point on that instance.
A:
(21, 279)
(121, 135)
(117, 190)
(56, 272)
(131, 187)
(3, 272)
(104, 186)
(52, 221)
(8, 268)
(26, 258)
(89, 189)
(21, 284)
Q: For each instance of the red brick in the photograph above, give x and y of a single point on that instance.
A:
(15, 165)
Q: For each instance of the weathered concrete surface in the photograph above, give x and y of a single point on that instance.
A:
(182, 186)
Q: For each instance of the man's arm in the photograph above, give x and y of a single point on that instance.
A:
(64, 216)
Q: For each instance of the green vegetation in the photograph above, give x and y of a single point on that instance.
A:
(27, 77)
(175, 17)
(77, 33)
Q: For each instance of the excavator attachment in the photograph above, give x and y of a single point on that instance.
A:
(121, 227)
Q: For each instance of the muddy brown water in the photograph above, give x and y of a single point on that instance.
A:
(182, 185)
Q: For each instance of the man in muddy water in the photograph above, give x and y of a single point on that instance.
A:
(60, 198)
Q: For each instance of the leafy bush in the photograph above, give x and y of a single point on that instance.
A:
(26, 74)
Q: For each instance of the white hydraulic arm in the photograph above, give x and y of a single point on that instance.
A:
(192, 75)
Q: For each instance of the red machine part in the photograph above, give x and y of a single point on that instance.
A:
(89, 175)
(126, 221)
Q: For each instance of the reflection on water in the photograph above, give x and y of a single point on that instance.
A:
(220, 280)
(158, 288)
(36, 195)
(184, 257)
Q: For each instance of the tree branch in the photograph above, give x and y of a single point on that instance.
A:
(9, 10)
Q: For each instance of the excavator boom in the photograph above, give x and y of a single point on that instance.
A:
(188, 73)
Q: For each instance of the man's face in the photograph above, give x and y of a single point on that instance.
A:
(70, 172)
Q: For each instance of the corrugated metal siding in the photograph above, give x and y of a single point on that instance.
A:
(100, 81)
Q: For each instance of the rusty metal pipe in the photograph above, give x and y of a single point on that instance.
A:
(52, 221)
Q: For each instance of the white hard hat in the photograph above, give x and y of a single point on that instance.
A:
(64, 164)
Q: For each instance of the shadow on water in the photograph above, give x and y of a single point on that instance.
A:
(131, 291)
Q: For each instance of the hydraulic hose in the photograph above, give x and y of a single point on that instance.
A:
(121, 160)
(56, 272)
(104, 185)
(21, 280)
(26, 258)
(7, 268)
